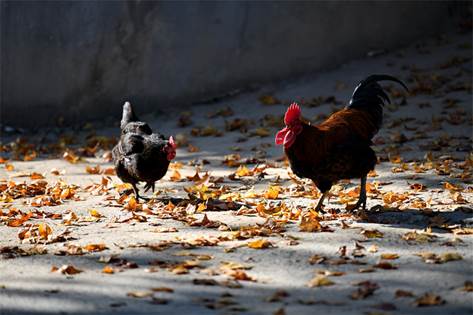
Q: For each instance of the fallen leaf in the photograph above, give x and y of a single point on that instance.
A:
(468, 286)
(403, 293)
(95, 247)
(372, 233)
(260, 244)
(429, 299)
(389, 256)
(204, 282)
(108, 270)
(66, 270)
(162, 289)
(319, 281)
(139, 294)
(95, 213)
(44, 230)
(176, 176)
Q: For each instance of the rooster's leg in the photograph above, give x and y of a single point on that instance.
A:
(318, 208)
(137, 195)
(149, 186)
(362, 200)
(135, 189)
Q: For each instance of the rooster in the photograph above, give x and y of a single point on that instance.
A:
(141, 155)
(339, 147)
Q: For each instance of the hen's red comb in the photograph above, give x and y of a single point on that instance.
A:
(293, 113)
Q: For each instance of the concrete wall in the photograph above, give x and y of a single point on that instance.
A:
(80, 60)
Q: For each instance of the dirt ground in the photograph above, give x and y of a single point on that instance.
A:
(223, 232)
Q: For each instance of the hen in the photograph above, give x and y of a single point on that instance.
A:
(141, 155)
(339, 147)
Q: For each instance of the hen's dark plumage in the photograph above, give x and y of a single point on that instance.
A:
(339, 147)
(141, 155)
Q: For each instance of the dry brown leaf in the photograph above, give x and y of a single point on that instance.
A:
(429, 299)
(372, 233)
(403, 293)
(93, 169)
(389, 256)
(162, 289)
(66, 270)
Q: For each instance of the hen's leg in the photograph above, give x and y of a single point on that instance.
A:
(318, 208)
(362, 200)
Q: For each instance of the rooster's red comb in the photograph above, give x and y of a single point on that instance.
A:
(172, 143)
(293, 113)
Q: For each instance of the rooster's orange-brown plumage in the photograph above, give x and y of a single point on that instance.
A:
(339, 147)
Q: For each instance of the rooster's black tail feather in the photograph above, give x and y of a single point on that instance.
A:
(128, 115)
(370, 96)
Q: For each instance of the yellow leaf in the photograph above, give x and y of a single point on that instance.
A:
(392, 197)
(320, 281)
(65, 193)
(243, 171)
(95, 213)
(272, 192)
(310, 223)
(176, 176)
(95, 247)
(44, 230)
(9, 167)
(260, 244)
(35, 175)
(108, 269)
(452, 187)
(179, 270)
